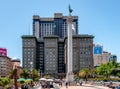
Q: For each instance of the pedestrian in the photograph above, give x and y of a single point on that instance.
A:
(81, 83)
(66, 84)
(22, 86)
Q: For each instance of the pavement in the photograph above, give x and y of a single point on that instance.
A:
(84, 86)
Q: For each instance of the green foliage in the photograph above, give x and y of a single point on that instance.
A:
(35, 74)
(107, 69)
(11, 74)
(47, 76)
(4, 82)
(36, 79)
(24, 74)
(84, 73)
(93, 72)
(118, 74)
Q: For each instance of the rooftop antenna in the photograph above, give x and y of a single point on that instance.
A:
(29, 29)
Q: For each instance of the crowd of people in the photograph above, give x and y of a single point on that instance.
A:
(27, 85)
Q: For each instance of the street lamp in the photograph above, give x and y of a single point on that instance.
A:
(40, 73)
(31, 65)
(31, 68)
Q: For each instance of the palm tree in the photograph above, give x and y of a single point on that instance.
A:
(115, 67)
(4, 82)
(34, 74)
(24, 73)
(104, 70)
(93, 72)
(84, 73)
(11, 74)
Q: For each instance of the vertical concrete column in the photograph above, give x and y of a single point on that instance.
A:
(70, 75)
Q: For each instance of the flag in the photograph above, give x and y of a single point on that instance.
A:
(73, 27)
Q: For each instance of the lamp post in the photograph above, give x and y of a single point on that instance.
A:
(15, 77)
(41, 73)
(31, 65)
(31, 68)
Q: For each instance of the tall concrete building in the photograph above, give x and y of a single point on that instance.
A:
(46, 50)
(50, 54)
(56, 25)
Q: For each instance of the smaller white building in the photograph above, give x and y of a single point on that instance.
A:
(100, 56)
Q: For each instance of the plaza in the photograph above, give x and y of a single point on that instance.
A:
(84, 86)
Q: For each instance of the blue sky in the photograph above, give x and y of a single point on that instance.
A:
(100, 18)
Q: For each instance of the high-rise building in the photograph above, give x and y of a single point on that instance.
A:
(46, 49)
(56, 25)
(49, 55)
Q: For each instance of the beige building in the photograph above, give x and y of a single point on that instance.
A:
(5, 66)
(15, 62)
(101, 58)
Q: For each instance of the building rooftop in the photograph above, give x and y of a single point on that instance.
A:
(3, 56)
(51, 36)
(28, 36)
(17, 60)
(83, 35)
(56, 15)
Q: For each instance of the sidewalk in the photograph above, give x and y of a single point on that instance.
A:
(84, 86)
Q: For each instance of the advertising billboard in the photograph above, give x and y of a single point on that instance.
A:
(98, 50)
(3, 51)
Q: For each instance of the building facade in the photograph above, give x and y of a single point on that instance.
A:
(56, 25)
(29, 53)
(50, 54)
(16, 64)
(5, 66)
(46, 49)
(100, 56)
(113, 58)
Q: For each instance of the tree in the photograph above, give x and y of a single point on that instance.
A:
(110, 68)
(84, 73)
(24, 73)
(4, 82)
(104, 70)
(115, 68)
(34, 74)
(11, 74)
(93, 72)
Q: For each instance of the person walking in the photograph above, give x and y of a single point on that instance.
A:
(66, 84)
